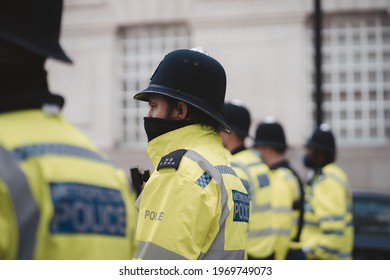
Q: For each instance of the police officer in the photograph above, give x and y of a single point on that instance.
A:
(60, 198)
(193, 206)
(328, 229)
(286, 188)
(254, 174)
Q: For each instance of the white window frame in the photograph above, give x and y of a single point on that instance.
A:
(356, 76)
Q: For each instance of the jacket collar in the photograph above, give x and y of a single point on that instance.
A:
(186, 137)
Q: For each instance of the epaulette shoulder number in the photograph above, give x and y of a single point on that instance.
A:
(171, 160)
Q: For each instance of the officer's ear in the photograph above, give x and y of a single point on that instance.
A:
(182, 110)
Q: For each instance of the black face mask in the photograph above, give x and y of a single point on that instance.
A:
(155, 127)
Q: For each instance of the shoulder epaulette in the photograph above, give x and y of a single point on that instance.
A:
(171, 160)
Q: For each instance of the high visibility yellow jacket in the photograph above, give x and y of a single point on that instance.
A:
(286, 194)
(60, 198)
(260, 237)
(193, 206)
(328, 230)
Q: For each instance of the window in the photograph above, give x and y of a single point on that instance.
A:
(356, 83)
(141, 49)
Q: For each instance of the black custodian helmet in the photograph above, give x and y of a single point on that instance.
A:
(270, 133)
(322, 139)
(237, 117)
(193, 77)
(33, 25)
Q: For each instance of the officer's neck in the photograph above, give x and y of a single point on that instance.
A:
(23, 86)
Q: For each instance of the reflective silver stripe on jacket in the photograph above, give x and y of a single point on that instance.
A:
(26, 208)
(336, 252)
(257, 208)
(250, 185)
(150, 251)
(39, 150)
(216, 250)
(280, 231)
(282, 209)
(259, 233)
(334, 177)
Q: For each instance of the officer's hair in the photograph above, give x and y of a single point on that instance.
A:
(327, 156)
(240, 136)
(193, 114)
(330, 157)
(280, 150)
(13, 54)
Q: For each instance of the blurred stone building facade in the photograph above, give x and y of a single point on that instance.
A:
(266, 49)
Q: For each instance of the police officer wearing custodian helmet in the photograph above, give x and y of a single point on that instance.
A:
(286, 188)
(255, 175)
(193, 206)
(328, 229)
(60, 198)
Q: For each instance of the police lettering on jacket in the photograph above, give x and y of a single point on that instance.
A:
(82, 208)
(241, 206)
